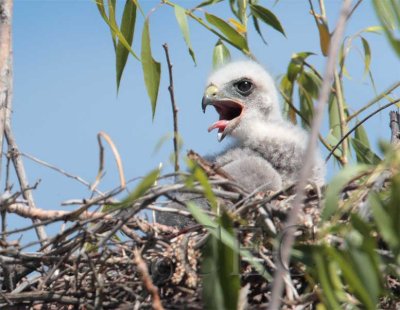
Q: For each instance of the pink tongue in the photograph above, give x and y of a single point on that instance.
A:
(220, 125)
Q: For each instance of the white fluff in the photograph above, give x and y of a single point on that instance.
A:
(267, 148)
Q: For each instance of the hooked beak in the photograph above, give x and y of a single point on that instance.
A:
(229, 111)
(209, 96)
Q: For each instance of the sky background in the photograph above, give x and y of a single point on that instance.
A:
(65, 89)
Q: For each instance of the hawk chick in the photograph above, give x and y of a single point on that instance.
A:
(267, 150)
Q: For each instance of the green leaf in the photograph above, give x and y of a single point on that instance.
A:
(147, 182)
(151, 68)
(364, 153)
(388, 13)
(361, 135)
(181, 18)
(258, 29)
(222, 264)
(113, 21)
(367, 55)
(349, 271)
(208, 2)
(325, 279)
(306, 106)
(102, 10)
(336, 186)
(231, 35)
(229, 271)
(385, 222)
(296, 64)
(334, 117)
(333, 141)
(267, 17)
(127, 30)
(226, 238)
(221, 55)
(115, 32)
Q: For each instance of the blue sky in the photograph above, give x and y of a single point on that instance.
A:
(65, 91)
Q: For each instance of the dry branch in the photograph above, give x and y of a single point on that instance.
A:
(174, 108)
(311, 147)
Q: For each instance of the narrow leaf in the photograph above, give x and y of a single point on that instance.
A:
(385, 222)
(220, 232)
(389, 15)
(127, 30)
(267, 17)
(367, 55)
(258, 29)
(231, 35)
(361, 135)
(181, 18)
(221, 55)
(151, 68)
(364, 153)
(113, 21)
(229, 267)
(324, 37)
(336, 186)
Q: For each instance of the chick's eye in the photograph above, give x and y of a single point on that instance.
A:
(244, 87)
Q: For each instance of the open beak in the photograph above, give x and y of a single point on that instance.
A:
(229, 111)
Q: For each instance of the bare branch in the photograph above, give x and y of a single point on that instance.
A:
(311, 147)
(101, 161)
(174, 107)
(148, 284)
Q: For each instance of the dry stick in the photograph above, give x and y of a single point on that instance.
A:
(55, 168)
(148, 284)
(174, 108)
(5, 64)
(358, 125)
(5, 114)
(117, 157)
(287, 243)
(374, 100)
(5, 80)
(395, 127)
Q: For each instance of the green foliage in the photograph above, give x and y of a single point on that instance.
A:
(221, 54)
(220, 268)
(267, 17)
(389, 15)
(151, 68)
(127, 30)
(344, 262)
(181, 17)
(232, 36)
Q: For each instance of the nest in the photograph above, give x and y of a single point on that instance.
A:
(119, 259)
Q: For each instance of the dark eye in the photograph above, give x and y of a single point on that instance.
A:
(244, 87)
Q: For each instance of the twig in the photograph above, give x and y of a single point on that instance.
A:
(395, 127)
(359, 124)
(374, 100)
(287, 244)
(174, 107)
(21, 175)
(117, 157)
(55, 168)
(354, 9)
(148, 284)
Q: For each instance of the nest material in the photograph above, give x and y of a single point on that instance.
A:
(120, 260)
